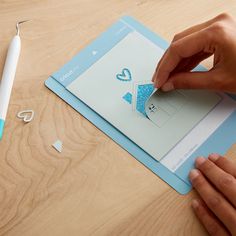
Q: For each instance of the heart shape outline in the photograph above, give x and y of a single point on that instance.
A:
(125, 75)
(26, 115)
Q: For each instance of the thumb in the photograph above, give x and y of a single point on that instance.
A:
(190, 80)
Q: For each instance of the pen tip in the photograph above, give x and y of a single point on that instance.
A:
(17, 26)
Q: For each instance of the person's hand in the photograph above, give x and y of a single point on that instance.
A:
(215, 181)
(215, 37)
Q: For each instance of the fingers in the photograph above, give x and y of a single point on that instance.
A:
(193, 29)
(214, 200)
(155, 74)
(187, 39)
(183, 48)
(209, 221)
(223, 181)
(190, 80)
(190, 63)
(224, 163)
(199, 27)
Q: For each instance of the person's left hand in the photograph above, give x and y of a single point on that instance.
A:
(215, 181)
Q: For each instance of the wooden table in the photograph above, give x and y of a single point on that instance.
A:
(94, 187)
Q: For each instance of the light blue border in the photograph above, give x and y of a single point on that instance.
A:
(82, 61)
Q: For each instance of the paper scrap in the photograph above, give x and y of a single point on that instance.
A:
(58, 145)
(128, 97)
(26, 115)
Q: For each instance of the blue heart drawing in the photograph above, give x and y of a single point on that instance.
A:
(125, 75)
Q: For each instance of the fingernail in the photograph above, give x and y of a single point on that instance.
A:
(199, 161)
(195, 203)
(193, 174)
(214, 157)
(167, 87)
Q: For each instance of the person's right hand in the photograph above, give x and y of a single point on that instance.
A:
(215, 181)
(215, 37)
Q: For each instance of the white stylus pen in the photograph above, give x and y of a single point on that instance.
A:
(8, 76)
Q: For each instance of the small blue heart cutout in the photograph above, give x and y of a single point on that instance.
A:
(125, 75)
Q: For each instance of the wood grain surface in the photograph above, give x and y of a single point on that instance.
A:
(94, 187)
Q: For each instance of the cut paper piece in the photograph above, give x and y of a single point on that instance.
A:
(144, 91)
(125, 75)
(26, 115)
(128, 97)
(58, 145)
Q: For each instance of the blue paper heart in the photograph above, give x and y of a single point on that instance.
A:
(125, 75)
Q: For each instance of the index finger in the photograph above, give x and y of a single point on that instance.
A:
(183, 48)
(224, 182)
(214, 200)
(224, 163)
